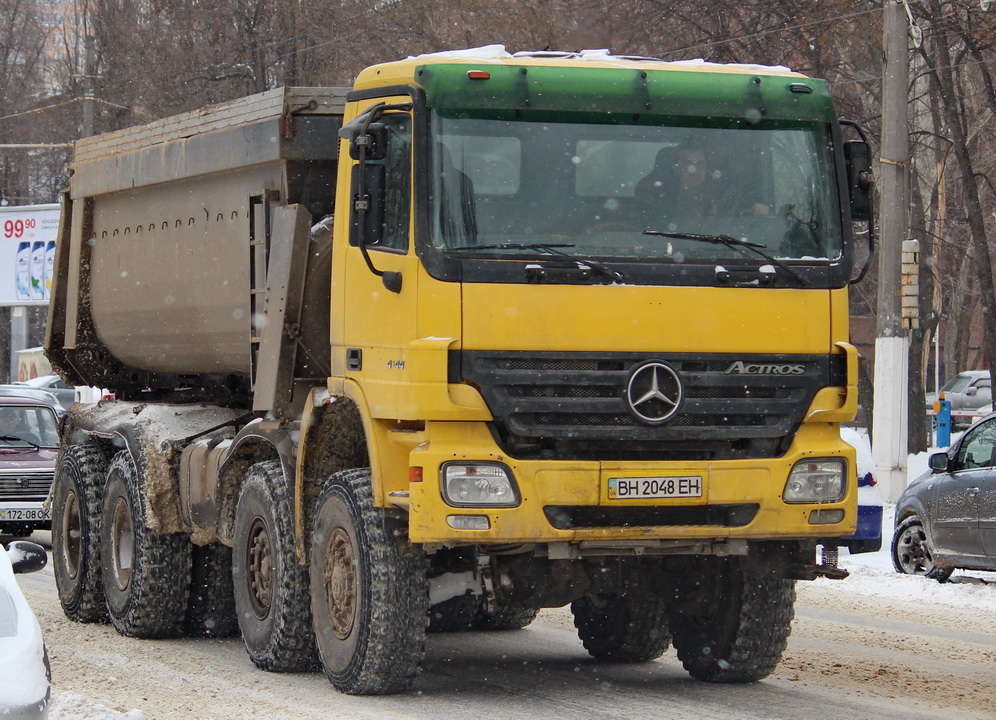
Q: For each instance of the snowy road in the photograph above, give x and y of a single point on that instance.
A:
(877, 645)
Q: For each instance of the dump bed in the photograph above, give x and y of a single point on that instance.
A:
(167, 233)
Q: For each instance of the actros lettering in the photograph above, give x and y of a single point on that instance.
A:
(742, 368)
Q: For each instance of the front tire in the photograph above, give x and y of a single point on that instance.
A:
(145, 575)
(369, 592)
(733, 625)
(270, 585)
(626, 628)
(77, 500)
(911, 552)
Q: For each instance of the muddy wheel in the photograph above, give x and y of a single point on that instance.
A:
(505, 617)
(145, 575)
(732, 626)
(622, 628)
(911, 551)
(211, 603)
(369, 593)
(270, 585)
(76, 508)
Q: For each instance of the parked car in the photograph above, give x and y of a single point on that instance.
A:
(29, 441)
(54, 384)
(946, 518)
(26, 684)
(34, 393)
(967, 391)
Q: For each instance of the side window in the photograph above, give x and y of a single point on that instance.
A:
(397, 182)
(385, 183)
(977, 449)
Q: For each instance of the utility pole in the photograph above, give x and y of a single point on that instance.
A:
(889, 422)
(89, 93)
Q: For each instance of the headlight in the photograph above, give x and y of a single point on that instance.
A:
(478, 485)
(816, 481)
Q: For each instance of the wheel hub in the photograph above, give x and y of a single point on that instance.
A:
(71, 535)
(912, 552)
(122, 543)
(260, 569)
(340, 583)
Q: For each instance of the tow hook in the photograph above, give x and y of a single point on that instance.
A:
(827, 567)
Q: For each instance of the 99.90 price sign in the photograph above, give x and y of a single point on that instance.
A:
(27, 253)
(16, 228)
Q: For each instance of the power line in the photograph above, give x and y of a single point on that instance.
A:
(772, 31)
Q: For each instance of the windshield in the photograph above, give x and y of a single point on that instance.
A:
(595, 188)
(28, 425)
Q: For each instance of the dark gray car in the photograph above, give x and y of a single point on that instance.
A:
(946, 518)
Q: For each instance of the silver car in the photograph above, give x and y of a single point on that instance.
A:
(966, 391)
(946, 518)
(55, 385)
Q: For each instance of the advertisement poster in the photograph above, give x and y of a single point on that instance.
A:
(27, 253)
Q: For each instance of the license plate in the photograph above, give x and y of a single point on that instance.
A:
(23, 514)
(673, 486)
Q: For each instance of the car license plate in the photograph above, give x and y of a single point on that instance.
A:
(673, 486)
(23, 514)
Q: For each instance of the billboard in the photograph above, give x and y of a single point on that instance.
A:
(27, 253)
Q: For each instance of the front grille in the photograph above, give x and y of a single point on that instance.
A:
(569, 517)
(29, 485)
(572, 405)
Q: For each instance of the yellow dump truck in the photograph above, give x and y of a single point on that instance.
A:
(483, 334)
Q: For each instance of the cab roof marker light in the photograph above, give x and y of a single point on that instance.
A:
(478, 75)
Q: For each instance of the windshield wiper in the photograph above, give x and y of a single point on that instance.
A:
(12, 438)
(551, 249)
(732, 242)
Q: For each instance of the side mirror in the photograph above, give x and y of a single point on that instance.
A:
(366, 211)
(374, 140)
(26, 557)
(971, 391)
(857, 157)
(939, 462)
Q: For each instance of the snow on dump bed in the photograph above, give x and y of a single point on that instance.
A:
(498, 52)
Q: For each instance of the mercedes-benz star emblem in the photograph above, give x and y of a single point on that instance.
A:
(654, 392)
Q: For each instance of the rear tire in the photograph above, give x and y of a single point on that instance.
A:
(454, 615)
(77, 501)
(505, 617)
(369, 592)
(911, 553)
(622, 628)
(734, 625)
(211, 604)
(270, 585)
(146, 575)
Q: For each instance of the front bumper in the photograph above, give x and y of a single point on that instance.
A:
(570, 500)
